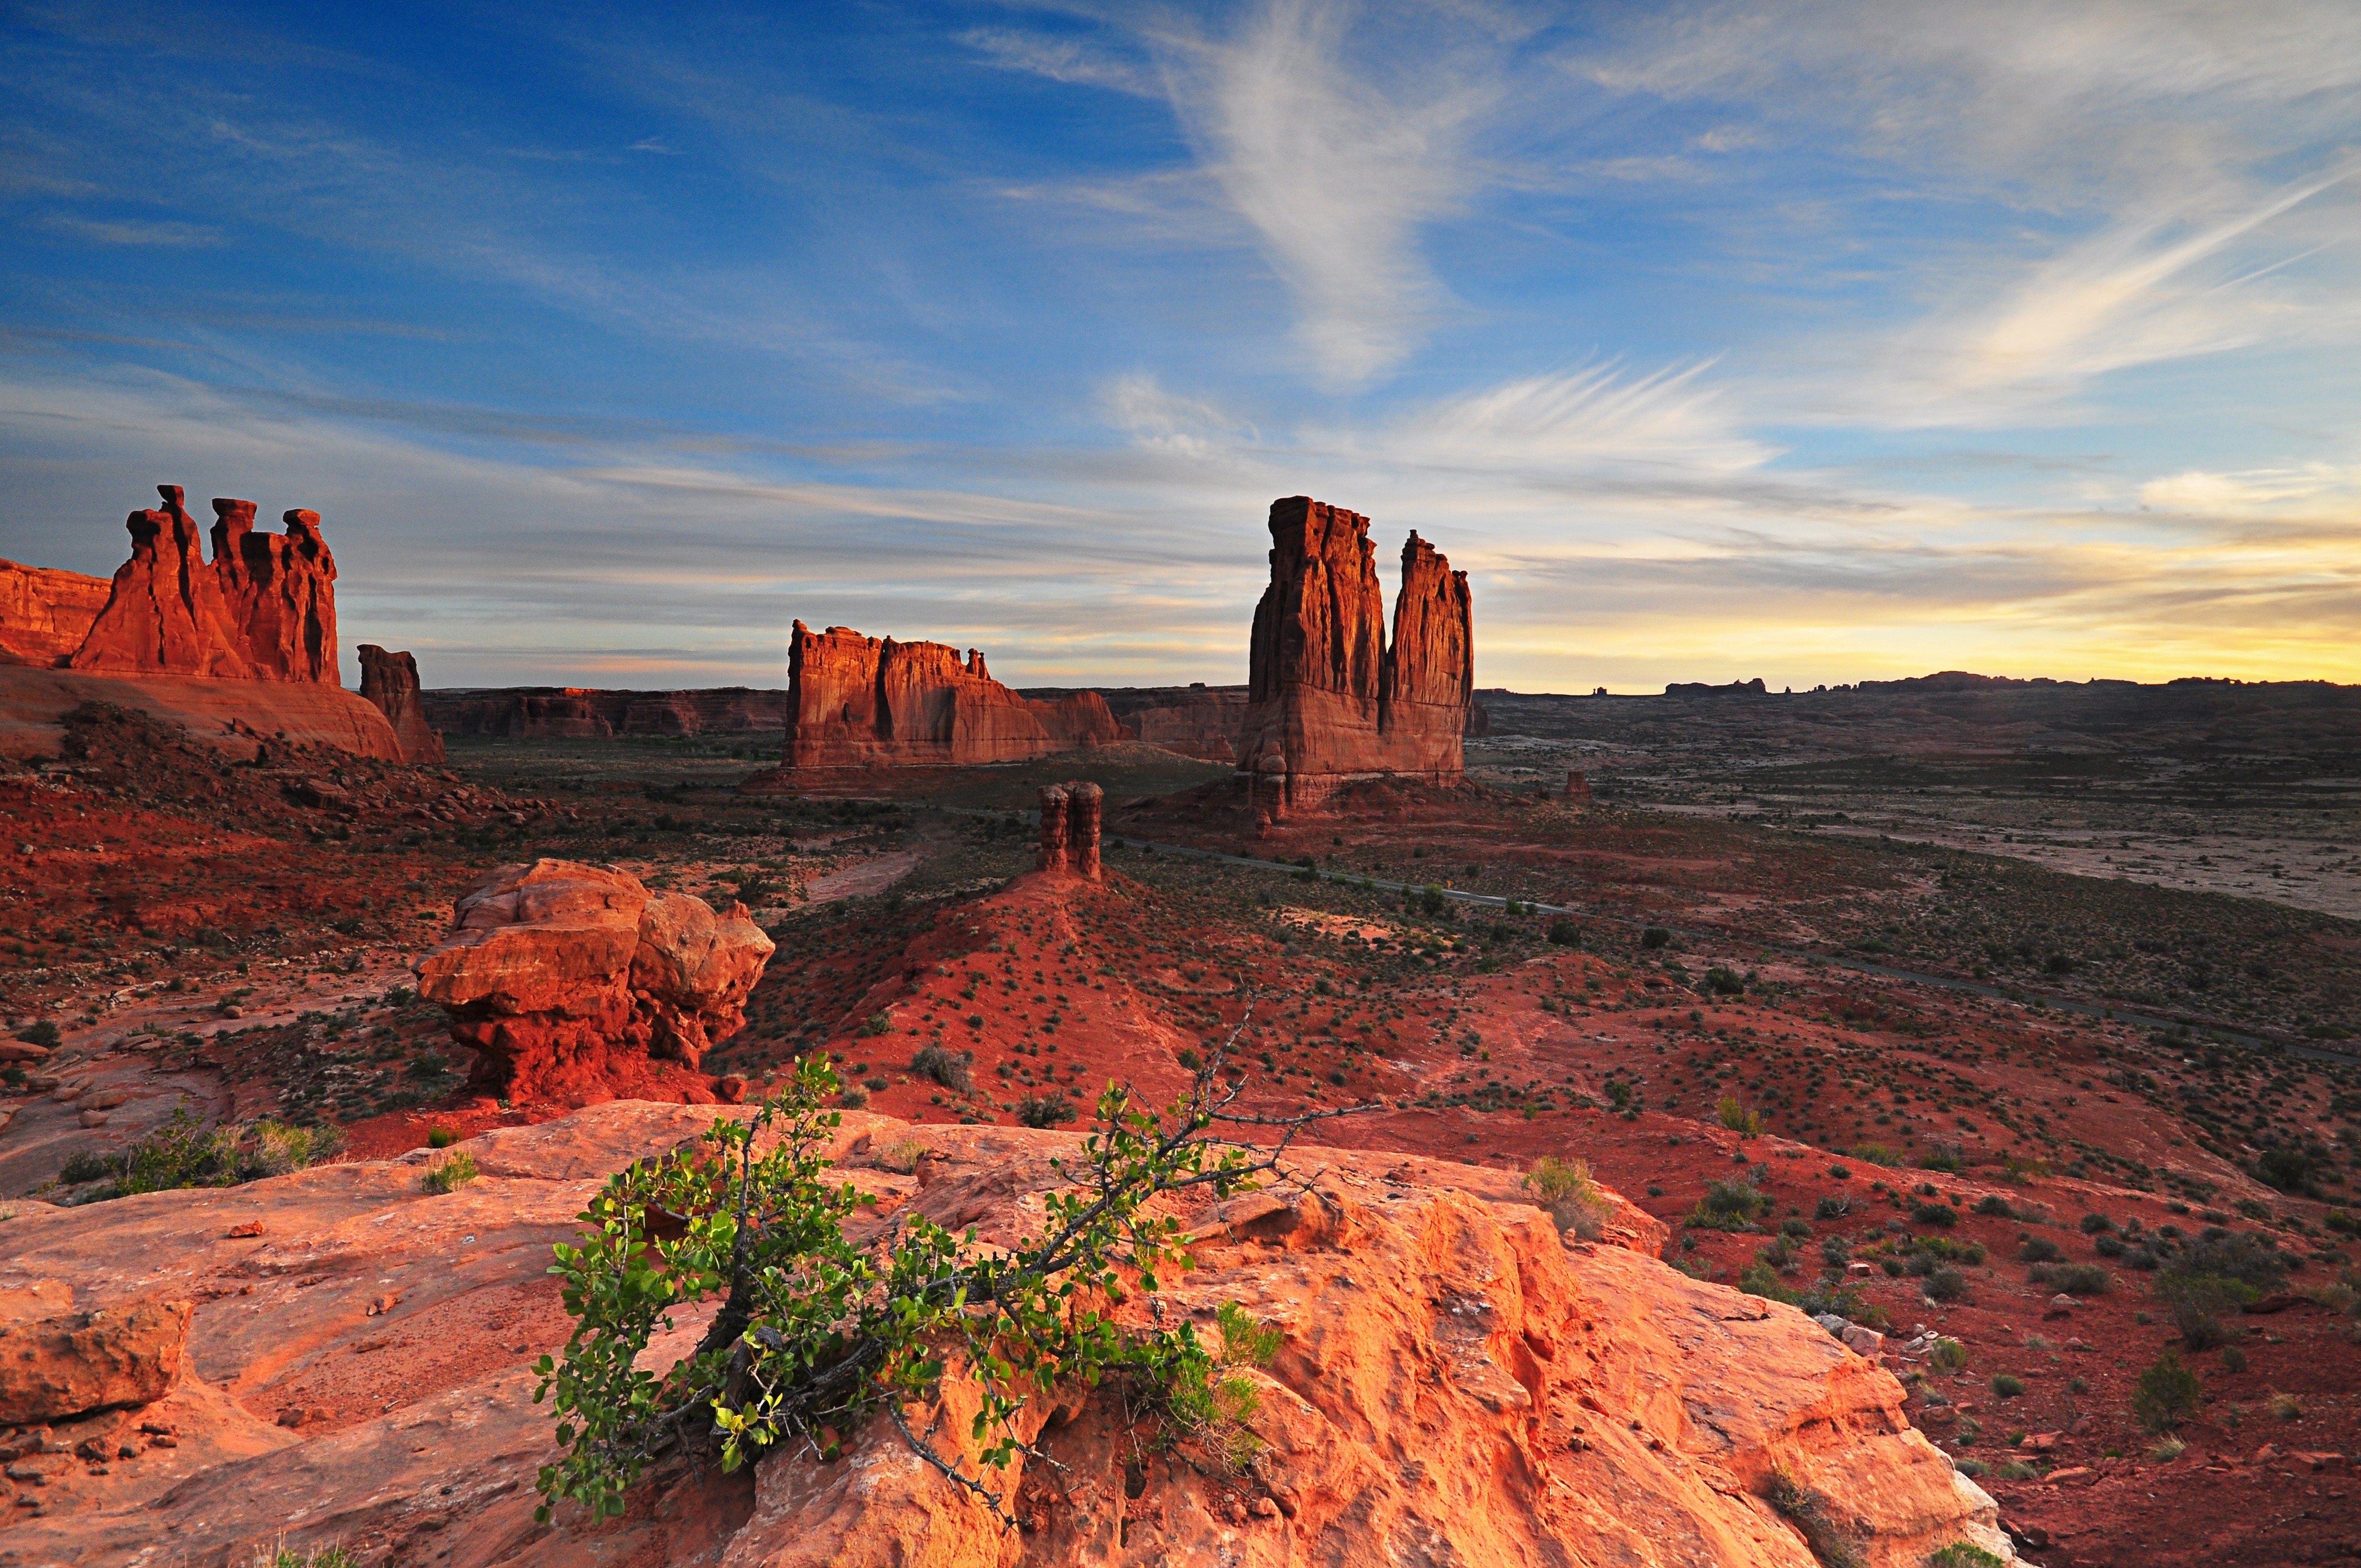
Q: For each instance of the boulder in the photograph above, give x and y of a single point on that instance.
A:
(390, 681)
(76, 1363)
(573, 982)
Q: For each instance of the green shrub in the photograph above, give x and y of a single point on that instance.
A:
(2250, 1259)
(2006, 1385)
(441, 1138)
(2166, 1394)
(1728, 1206)
(2093, 1223)
(1572, 1198)
(1738, 1118)
(280, 1148)
(43, 1032)
(945, 1068)
(1565, 934)
(1045, 1109)
(1941, 1214)
(874, 1024)
(181, 1153)
(85, 1165)
(1832, 1207)
(1723, 982)
(1995, 1204)
(1655, 936)
(2038, 1249)
(2197, 1302)
(2079, 1279)
(1946, 1285)
(1809, 1512)
(816, 1335)
(451, 1173)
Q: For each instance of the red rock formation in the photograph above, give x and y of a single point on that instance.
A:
(44, 614)
(1195, 721)
(68, 1366)
(856, 701)
(1070, 829)
(391, 681)
(1578, 787)
(1328, 700)
(280, 588)
(265, 609)
(575, 983)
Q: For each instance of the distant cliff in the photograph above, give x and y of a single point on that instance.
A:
(533, 713)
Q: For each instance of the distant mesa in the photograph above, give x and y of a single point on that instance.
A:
(1699, 689)
(240, 646)
(856, 701)
(1329, 701)
(588, 713)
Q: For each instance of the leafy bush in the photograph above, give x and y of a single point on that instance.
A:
(1738, 1118)
(1948, 1355)
(450, 1174)
(1940, 1214)
(1728, 1206)
(86, 1164)
(183, 1152)
(1723, 982)
(874, 1024)
(815, 1333)
(1572, 1198)
(2166, 1394)
(2288, 1170)
(1963, 1555)
(2038, 1249)
(1565, 934)
(280, 1148)
(441, 1138)
(1832, 1207)
(1995, 1204)
(1946, 1285)
(2006, 1385)
(2093, 1223)
(2250, 1259)
(946, 1068)
(2079, 1279)
(1045, 1109)
(44, 1033)
(1809, 1512)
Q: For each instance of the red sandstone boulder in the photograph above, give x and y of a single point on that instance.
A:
(390, 680)
(571, 982)
(71, 1364)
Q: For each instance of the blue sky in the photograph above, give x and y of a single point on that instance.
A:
(1813, 342)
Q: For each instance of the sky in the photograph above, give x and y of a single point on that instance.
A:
(1811, 342)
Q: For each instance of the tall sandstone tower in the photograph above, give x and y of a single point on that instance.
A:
(1328, 700)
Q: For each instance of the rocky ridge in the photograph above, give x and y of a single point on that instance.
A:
(1455, 1381)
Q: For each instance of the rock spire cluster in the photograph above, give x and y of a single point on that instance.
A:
(1328, 698)
(263, 609)
(1070, 829)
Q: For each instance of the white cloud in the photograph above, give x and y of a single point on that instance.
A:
(1336, 173)
(132, 231)
(1067, 60)
(2258, 492)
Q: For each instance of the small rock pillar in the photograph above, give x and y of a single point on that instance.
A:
(1578, 788)
(1082, 812)
(1053, 829)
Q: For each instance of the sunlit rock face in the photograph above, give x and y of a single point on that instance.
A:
(1328, 699)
